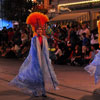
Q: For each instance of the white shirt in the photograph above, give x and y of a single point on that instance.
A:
(59, 52)
(87, 31)
(94, 41)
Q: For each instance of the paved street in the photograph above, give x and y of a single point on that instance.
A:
(75, 83)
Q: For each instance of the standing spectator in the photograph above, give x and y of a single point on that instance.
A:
(76, 58)
(56, 33)
(58, 54)
(17, 37)
(10, 34)
(0, 38)
(5, 35)
(79, 32)
(86, 30)
(72, 37)
(94, 38)
(85, 43)
(52, 53)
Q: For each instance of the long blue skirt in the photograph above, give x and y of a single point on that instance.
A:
(94, 67)
(33, 76)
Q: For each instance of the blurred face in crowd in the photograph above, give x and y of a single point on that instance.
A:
(79, 26)
(76, 47)
(87, 49)
(39, 31)
(83, 26)
(66, 39)
(92, 47)
(57, 47)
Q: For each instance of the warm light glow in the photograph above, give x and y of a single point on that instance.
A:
(34, 0)
(93, 0)
(63, 9)
(77, 3)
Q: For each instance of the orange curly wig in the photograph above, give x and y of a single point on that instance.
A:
(36, 19)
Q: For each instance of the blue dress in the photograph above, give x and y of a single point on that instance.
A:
(36, 73)
(94, 67)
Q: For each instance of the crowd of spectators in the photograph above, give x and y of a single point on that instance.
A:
(74, 45)
(14, 42)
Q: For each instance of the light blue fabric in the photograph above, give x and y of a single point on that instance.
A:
(94, 67)
(36, 73)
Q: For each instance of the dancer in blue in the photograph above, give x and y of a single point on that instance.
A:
(36, 73)
(94, 67)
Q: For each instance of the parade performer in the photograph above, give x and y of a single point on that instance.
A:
(98, 24)
(94, 67)
(36, 73)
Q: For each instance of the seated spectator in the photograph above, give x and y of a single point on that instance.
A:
(16, 48)
(24, 37)
(10, 53)
(52, 53)
(76, 57)
(1, 50)
(58, 54)
(23, 51)
(90, 57)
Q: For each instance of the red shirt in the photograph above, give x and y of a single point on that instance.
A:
(10, 35)
(40, 39)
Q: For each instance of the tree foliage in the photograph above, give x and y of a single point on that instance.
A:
(16, 9)
(20, 9)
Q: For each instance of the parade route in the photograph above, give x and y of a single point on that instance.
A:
(75, 83)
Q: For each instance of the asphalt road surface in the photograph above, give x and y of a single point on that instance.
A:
(75, 83)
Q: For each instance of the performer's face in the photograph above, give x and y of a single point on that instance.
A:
(39, 31)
